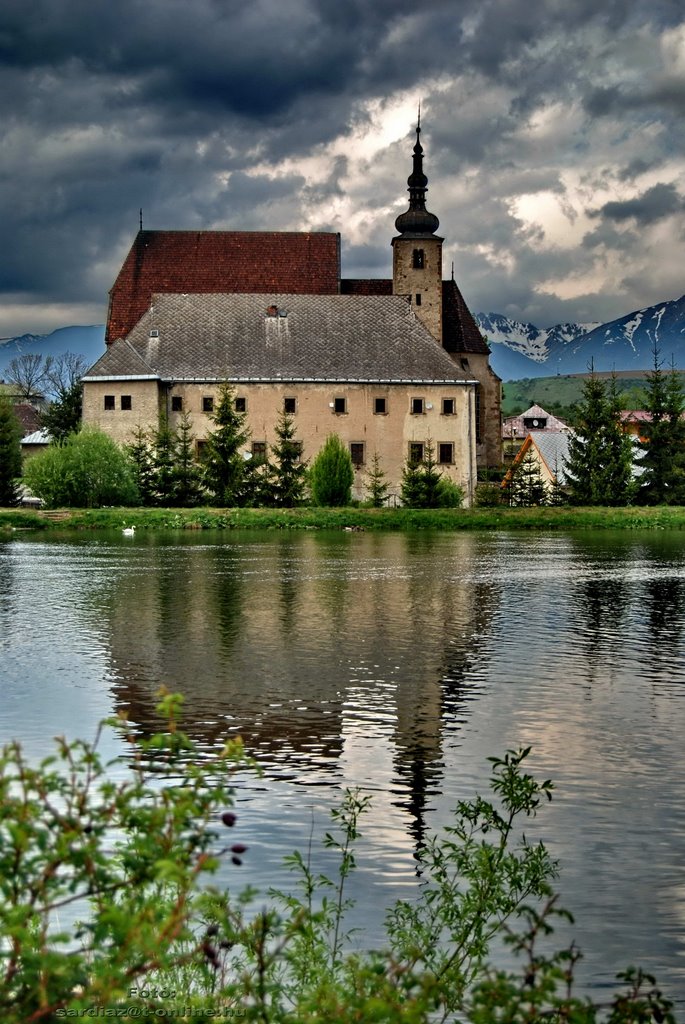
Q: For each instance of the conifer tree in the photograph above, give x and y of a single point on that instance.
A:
(10, 454)
(527, 488)
(288, 471)
(663, 449)
(332, 474)
(619, 484)
(186, 490)
(431, 477)
(412, 491)
(142, 460)
(163, 463)
(376, 483)
(225, 471)
(598, 467)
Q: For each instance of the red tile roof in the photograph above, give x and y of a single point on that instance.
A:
(366, 286)
(202, 262)
(460, 332)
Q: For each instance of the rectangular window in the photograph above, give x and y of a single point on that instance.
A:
(297, 450)
(380, 406)
(207, 403)
(241, 404)
(417, 299)
(339, 405)
(448, 407)
(446, 453)
(415, 452)
(289, 405)
(201, 448)
(417, 406)
(109, 401)
(126, 403)
(357, 453)
(176, 403)
(259, 451)
(418, 259)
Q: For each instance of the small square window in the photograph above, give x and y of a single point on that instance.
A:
(109, 401)
(417, 406)
(207, 403)
(448, 407)
(357, 453)
(126, 403)
(415, 452)
(241, 404)
(464, 363)
(380, 406)
(259, 451)
(176, 403)
(446, 454)
(339, 405)
(289, 405)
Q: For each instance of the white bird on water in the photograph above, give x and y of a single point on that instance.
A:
(128, 531)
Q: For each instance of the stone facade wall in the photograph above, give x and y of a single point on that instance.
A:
(424, 283)
(357, 423)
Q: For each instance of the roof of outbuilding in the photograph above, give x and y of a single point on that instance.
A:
(307, 338)
(553, 448)
(306, 262)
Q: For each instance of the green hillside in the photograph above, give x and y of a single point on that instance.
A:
(559, 394)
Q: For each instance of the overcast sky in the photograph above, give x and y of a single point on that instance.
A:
(552, 129)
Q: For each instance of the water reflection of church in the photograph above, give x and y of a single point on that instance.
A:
(312, 648)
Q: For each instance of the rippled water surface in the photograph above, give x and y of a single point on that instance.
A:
(398, 663)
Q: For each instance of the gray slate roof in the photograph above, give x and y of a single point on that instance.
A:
(553, 447)
(321, 337)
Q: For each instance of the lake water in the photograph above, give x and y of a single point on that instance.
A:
(397, 662)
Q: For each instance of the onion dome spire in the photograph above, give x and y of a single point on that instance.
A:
(417, 220)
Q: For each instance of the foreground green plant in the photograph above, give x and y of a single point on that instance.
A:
(106, 907)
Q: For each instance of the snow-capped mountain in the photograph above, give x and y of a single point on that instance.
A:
(523, 350)
(88, 342)
(527, 339)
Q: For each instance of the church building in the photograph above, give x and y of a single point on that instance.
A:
(391, 366)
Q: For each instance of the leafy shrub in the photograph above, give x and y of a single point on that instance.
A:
(129, 860)
(88, 471)
(331, 475)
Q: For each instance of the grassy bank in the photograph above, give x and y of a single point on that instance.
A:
(660, 518)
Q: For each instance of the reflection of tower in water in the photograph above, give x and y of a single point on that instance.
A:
(336, 658)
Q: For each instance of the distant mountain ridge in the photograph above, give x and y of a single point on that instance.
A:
(523, 350)
(88, 342)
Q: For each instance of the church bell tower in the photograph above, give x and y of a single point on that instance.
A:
(417, 250)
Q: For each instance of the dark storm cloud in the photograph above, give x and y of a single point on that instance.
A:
(653, 205)
(186, 109)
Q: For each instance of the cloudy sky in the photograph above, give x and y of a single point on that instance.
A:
(553, 135)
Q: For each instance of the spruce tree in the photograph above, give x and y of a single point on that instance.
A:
(10, 454)
(163, 463)
(431, 478)
(598, 468)
(288, 471)
(412, 490)
(186, 489)
(332, 474)
(663, 448)
(619, 485)
(376, 483)
(527, 488)
(141, 454)
(225, 472)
